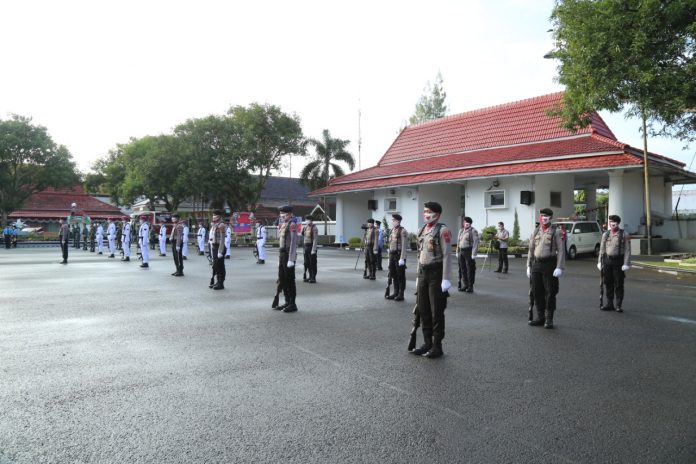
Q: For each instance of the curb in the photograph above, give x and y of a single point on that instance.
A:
(664, 270)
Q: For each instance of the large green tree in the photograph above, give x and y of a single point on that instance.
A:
(632, 55)
(29, 162)
(268, 136)
(431, 104)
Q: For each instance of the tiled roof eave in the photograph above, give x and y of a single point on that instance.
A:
(459, 168)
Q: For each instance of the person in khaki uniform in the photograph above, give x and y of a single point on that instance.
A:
(434, 279)
(545, 264)
(370, 244)
(64, 237)
(217, 251)
(287, 235)
(467, 245)
(310, 241)
(398, 244)
(177, 240)
(614, 261)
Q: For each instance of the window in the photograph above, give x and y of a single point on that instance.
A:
(556, 200)
(495, 199)
(390, 204)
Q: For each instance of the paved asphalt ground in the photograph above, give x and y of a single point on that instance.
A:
(102, 362)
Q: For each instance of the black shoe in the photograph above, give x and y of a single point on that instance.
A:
(505, 271)
(312, 280)
(305, 280)
(619, 309)
(200, 253)
(373, 278)
(548, 324)
(260, 261)
(63, 262)
(469, 290)
(127, 259)
(211, 285)
(434, 352)
(462, 289)
(291, 308)
(498, 271)
(144, 265)
(391, 297)
(162, 254)
(366, 277)
(218, 286)
(227, 257)
(607, 308)
(422, 350)
(100, 253)
(185, 257)
(282, 307)
(537, 322)
(111, 256)
(399, 297)
(178, 274)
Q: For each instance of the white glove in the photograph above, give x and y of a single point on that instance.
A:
(220, 255)
(529, 272)
(445, 285)
(557, 272)
(457, 254)
(402, 262)
(625, 267)
(314, 253)
(291, 263)
(599, 266)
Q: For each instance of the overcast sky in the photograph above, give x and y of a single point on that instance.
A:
(97, 73)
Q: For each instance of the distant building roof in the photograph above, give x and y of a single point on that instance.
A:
(55, 203)
(287, 189)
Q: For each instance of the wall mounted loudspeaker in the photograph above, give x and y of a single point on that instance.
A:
(526, 197)
(372, 204)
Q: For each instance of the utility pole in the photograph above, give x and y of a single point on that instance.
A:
(359, 136)
(646, 180)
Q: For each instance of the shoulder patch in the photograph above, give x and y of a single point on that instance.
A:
(293, 227)
(447, 236)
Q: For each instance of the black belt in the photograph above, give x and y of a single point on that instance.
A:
(431, 267)
(616, 258)
(545, 260)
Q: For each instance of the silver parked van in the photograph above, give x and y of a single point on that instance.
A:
(583, 237)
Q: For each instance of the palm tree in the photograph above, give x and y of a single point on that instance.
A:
(324, 167)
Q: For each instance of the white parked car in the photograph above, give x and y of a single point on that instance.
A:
(582, 237)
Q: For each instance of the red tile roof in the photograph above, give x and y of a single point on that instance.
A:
(556, 165)
(518, 137)
(55, 203)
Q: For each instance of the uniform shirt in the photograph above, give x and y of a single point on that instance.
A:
(126, 232)
(370, 238)
(177, 234)
(201, 233)
(111, 230)
(144, 234)
(468, 238)
(163, 232)
(228, 235)
(288, 239)
(261, 233)
(428, 253)
(611, 246)
(502, 236)
(100, 231)
(310, 236)
(398, 241)
(64, 233)
(546, 244)
(217, 234)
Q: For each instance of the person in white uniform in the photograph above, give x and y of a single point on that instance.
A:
(163, 239)
(184, 251)
(111, 237)
(100, 238)
(228, 239)
(144, 240)
(201, 238)
(261, 241)
(126, 238)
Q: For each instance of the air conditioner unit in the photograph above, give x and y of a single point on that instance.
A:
(392, 192)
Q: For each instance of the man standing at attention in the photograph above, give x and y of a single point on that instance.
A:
(434, 279)
(502, 236)
(177, 241)
(614, 261)
(467, 245)
(260, 242)
(163, 238)
(310, 240)
(111, 237)
(398, 244)
(545, 264)
(287, 235)
(370, 245)
(126, 238)
(201, 238)
(64, 237)
(144, 239)
(217, 251)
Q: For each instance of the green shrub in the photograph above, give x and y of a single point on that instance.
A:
(355, 242)
(487, 234)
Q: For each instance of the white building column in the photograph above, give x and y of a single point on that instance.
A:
(340, 236)
(668, 200)
(591, 201)
(616, 193)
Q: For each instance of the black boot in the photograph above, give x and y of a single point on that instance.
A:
(424, 348)
(549, 320)
(219, 285)
(396, 292)
(619, 309)
(292, 307)
(144, 265)
(400, 296)
(540, 320)
(435, 351)
(212, 282)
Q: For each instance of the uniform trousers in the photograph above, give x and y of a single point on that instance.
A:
(370, 261)
(432, 302)
(178, 256)
(286, 277)
(64, 248)
(467, 267)
(310, 261)
(503, 259)
(397, 273)
(614, 278)
(544, 285)
(219, 263)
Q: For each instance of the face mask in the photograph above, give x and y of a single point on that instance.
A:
(429, 218)
(500, 227)
(545, 220)
(283, 216)
(467, 225)
(614, 225)
(395, 224)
